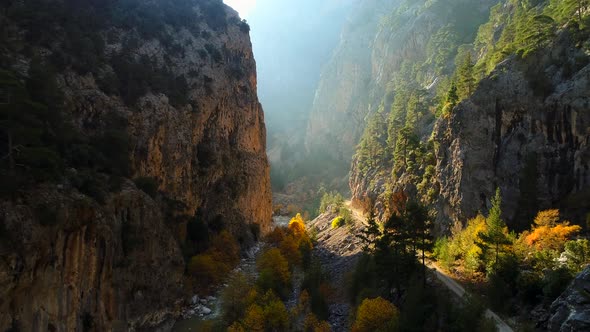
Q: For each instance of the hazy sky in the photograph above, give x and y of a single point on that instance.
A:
(242, 6)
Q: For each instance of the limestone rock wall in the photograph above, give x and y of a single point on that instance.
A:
(487, 139)
(72, 263)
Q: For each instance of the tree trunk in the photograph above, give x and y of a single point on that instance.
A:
(423, 262)
(497, 250)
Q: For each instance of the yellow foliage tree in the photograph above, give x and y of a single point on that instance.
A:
(290, 249)
(224, 248)
(276, 317)
(463, 244)
(274, 272)
(254, 319)
(313, 324)
(375, 315)
(547, 218)
(297, 226)
(236, 327)
(205, 269)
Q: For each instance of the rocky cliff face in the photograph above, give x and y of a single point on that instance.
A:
(570, 311)
(412, 55)
(510, 135)
(89, 266)
(343, 97)
(184, 86)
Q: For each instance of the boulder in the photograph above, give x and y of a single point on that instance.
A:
(571, 310)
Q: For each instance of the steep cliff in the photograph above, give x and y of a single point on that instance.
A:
(522, 125)
(412, 60)
(509, 134)
(160, 92)
(344, 91)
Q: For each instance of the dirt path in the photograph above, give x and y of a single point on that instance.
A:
(457, 289)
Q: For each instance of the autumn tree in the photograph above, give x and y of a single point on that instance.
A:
(549, 233)
(235, 298)
(274, 271)
(276, 317)
(313, 324)
(254, 319)
(376, 315)
(496, 234)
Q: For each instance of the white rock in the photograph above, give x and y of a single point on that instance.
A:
(211, 298)
(205, 311)
(195, 299)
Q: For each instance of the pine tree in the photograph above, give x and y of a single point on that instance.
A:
(496, 235)
(371, 233)
(451, 99)
(465, 79)
(421, 230)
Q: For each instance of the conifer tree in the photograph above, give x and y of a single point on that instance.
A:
(496, 235)
(465, 80)
(421, 229)
(371, 233)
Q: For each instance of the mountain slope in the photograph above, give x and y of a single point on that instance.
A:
(521, 125)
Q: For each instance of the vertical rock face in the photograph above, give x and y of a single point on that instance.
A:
(93, 267)
(412, 51)
(344, 92)
(506, 135)
(194, 125)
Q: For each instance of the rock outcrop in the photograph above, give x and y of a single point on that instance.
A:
(184, 86)
(571, 310)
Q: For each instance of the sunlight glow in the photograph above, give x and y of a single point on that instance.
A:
(242, 6)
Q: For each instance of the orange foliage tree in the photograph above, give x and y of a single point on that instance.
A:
(549, 233)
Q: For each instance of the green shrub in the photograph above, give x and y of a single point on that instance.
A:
(346, 214)
(442, 253)
(332, 200)
(555, 282)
